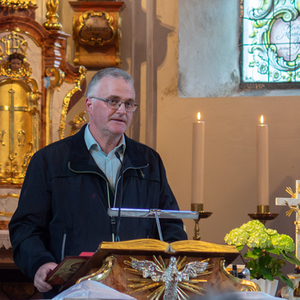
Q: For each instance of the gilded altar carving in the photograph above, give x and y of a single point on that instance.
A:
(13, 42)
(66, 102)
(170, 281)
(18, 4)
(19, 112)
(35, 95)
(97, 33)
(52, 15)
(19, 126)
(78, 121)
(95, 27)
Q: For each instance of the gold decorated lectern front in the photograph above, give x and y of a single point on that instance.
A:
(152, 269)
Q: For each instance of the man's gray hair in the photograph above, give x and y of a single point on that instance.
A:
(107, 72)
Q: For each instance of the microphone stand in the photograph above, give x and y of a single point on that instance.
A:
(120, 198)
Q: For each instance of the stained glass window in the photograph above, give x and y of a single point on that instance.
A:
(270, 43)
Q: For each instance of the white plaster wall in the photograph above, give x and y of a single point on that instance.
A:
(208, 48)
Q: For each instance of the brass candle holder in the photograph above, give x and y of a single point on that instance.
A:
(201, 215)
(263, 214)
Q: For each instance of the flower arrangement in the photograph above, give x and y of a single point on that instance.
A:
(268, 251)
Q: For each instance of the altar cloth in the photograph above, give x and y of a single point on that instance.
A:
(240, 296)
(90, 289)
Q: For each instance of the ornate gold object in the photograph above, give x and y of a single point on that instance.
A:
(201, 215)
(26, 114)
(102, 273)
(78, 121)
(19, 127)
(95, 28)
(289, 190)
(19, 113)
(57, 77)
(13, 42)
(171, 280)
(24, 70)
(97, 33)
(296, 209)
(18, 4)
(66, 102)
(246, 285)
(52, 15)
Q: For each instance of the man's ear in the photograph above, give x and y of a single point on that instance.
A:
(89, 104)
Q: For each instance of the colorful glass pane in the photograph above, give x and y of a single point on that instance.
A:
(270, 41)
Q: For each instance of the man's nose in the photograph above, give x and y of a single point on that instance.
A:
(122, 108)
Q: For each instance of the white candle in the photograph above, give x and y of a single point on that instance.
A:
(262, 163)
(198, 161)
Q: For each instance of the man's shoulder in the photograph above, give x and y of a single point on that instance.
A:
(57, 145)
(58, 150)
(143, 149)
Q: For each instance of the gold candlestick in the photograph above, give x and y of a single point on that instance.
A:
(263, 214)
(201, 215)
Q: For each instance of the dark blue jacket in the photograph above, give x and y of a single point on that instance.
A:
(63, 204)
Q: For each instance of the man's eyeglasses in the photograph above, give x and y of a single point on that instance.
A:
(130, 106)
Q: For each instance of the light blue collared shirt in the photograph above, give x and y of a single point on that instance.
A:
(108, 163)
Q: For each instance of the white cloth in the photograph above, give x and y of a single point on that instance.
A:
(4, 239)
(90, 289)
(251, 295)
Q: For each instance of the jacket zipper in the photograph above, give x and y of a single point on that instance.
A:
(129, 168)
(112, 221)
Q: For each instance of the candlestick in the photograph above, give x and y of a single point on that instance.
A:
(201, 215)
(198, 161)
(262, 164)
(263, 214)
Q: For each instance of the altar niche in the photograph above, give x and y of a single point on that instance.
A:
(19, 128)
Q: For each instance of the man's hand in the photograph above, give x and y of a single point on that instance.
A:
(40, 277)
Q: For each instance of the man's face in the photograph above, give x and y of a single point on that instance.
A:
(104, 121)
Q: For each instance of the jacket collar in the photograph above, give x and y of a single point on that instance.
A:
(82, 161)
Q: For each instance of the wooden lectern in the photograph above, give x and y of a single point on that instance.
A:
(153, 269)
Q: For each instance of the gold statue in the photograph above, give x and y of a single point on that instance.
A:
(295, 208)
(78, 121)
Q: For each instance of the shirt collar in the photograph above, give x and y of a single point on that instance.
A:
(91, 142)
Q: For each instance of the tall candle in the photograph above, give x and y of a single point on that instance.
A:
(262, 163)
(198, 161)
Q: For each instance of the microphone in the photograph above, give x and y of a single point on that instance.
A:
(120, 198)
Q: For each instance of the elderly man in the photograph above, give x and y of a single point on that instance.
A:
(70, 185)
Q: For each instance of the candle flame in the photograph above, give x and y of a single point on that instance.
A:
(199, 116)
(261, 119)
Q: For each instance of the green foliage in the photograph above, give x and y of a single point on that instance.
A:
(268, 251)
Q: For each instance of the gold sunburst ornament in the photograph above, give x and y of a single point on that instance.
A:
(171, 281)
